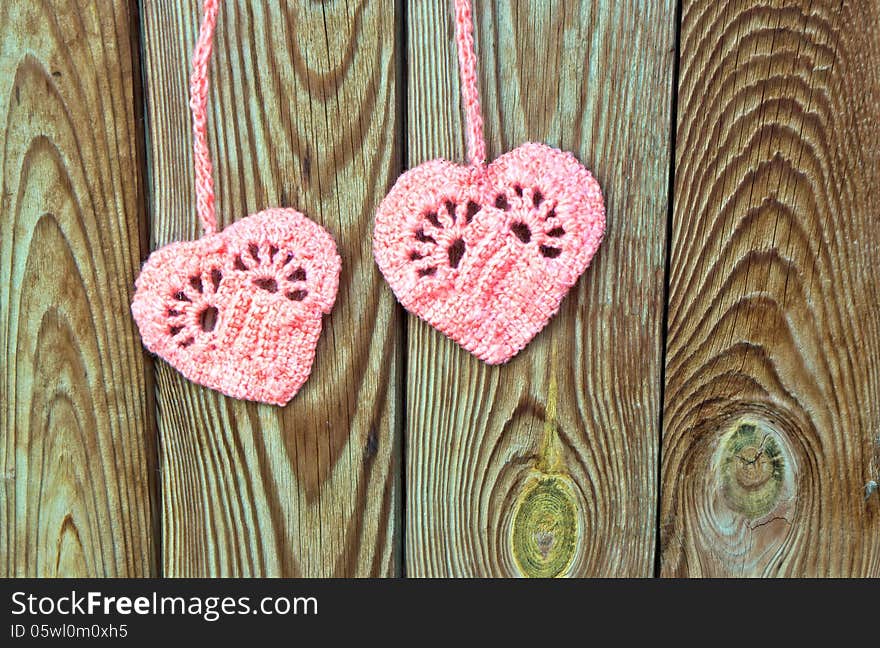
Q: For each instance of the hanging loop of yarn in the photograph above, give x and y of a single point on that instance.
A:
(470, 93)
(198, 103)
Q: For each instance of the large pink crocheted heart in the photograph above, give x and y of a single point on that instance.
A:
(239, 311)
(486, 253)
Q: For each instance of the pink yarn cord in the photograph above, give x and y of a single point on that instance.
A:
(198, 103)
(470, 94)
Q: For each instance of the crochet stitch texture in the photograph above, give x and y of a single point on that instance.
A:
(486, 253)
(240, 310)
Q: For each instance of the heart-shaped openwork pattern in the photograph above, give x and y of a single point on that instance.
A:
(486, 253)
(240, 310)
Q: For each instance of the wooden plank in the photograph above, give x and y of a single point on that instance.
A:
(77, 433)
(546, 466)
(772, 411)
(302, 112)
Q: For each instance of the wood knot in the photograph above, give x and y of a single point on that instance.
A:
(545, 527)
(754, 468)
(752, 465)
(545, 541)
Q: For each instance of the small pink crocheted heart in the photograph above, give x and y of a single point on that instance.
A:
(486, 253)
(239, 311)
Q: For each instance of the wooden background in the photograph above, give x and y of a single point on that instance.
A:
(706, 403)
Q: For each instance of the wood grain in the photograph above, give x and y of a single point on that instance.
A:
(77, 433)
(772, 409)
(546, 466)
(303, 113)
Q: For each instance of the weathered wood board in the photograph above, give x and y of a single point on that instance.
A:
(546, 466)
(303, 112)
(772, 411)
(77, 432)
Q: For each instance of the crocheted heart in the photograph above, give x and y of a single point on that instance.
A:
(486, 254)
(239, 311)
